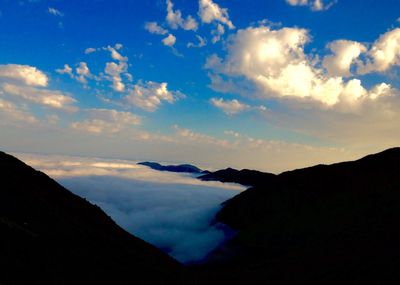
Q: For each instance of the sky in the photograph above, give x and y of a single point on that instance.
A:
(172, 211)
(270, 85)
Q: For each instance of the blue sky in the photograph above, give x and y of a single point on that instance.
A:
(271, 84)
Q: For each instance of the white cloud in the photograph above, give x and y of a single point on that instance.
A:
(345, 54)
(105, 121)
(217, 33)
(115, 54)
(175, 20)
(201, 43)
(90, 50)
(275, 62)
(114, 71)
(48, 98)
(229, 107)
(55, 12)
(82, 72)
(154, 28)
(150, 95)
(315, 5)
(26, 74)
(170, 40)
(384, 53)
(66, 70)
(211, 12)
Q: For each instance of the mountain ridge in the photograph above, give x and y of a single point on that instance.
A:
(325, 224)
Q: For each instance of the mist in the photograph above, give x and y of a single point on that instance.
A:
(172, 211)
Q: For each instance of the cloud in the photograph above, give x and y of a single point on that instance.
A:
(201, 43)
(114, 71)
(170, 40)
(11, 113)
(171, 211)
(47, 98)
(211, 12)
(276, 63)
(82, 72)
(383, 54)
(66, 70)
(26, 74)
(105, 121)
(345, 54)
(175, 19)
(114, 52)
(90, 50)
(229, 107)
(154, 28)
(315, 5)
(149, 95)
(55, 12)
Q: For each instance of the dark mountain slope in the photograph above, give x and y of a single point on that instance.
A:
(336, 224)
(187, 168)
(50, 236)
(245, 177)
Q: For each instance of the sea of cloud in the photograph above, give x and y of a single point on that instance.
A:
(169, 210)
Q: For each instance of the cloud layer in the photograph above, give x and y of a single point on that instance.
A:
(171, 211)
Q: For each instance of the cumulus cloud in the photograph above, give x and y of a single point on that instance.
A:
(345, 54)
(175, 19)
(105, 121)
(211, 12)
(229, 107)
(26, 74)
(171, 211)
(154, 28)
(114, 52)
(66, 70)
(384, 53)
(47, 98)
(276, 63)
(114, 71)
(149, 95)
(82, 72)
(315, 5)
(170, 40)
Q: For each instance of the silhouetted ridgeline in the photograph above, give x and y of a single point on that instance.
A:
(188, 168)
(51, 236)
(327, 224)
(245, 177)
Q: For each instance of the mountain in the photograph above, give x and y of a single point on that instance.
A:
(245, 177)
(50, 236)
(327, 224)
(188, 168)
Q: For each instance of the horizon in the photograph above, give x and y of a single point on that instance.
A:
(271, 85)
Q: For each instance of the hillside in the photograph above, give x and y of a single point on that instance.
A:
(327, 224)
(51, 236)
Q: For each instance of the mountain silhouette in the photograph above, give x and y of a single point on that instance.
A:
(188, 168)
(245, 177)
(327, 224)
(50, 236)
